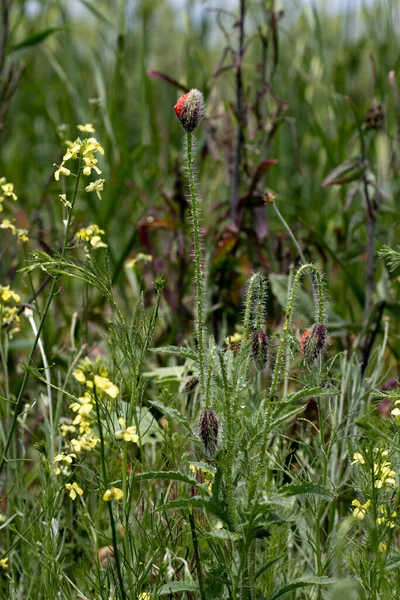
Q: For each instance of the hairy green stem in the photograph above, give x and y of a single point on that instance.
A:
(265, 408)
(196, 554)
(197, 261)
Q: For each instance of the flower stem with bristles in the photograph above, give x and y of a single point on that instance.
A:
(197, 262)
(266, 407)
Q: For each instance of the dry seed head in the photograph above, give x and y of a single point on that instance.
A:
(208, 431)
(190, 109)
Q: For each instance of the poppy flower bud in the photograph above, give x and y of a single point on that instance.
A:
(314, 342)
(190, 109)
(189, 384)
(259, 350)
(208, 431)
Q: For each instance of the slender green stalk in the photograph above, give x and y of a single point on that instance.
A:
(105, 484)
(195, 223)
(197, 554)
(289, 231)
(20, 398)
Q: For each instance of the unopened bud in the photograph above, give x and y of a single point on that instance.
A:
(190, 109)
(259, 350)
(208, 431)
(314, 342)
(189, 384)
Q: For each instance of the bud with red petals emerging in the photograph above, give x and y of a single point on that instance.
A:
(208, 431)
(190, 109)
(314, 342)
(259, 350)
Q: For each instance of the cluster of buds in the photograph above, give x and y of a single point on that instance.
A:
(208, 431)
(259, 350)
(190, 110)
(314, 342)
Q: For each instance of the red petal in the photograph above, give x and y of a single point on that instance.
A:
(180, 104)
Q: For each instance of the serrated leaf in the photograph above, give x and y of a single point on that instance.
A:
(172, 413)
(300, 583)
(179, 586)
(306, 488)
(349, 170)
(36, 39)
(177, 351)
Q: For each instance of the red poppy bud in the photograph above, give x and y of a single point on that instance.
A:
(259, 350)
(314, 342)
(208, 431)
(190, 109)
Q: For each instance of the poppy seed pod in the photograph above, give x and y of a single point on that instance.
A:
(314, 342)
(259, 350)
(208, 431)
(190, 109)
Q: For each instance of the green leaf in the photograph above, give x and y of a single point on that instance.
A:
(177, 351)
(306, 488)
(288, 414)
(173, 414)
(267, 565)
(171, 476)
(304, 306)
(348, 170)
(300, 583)
(205, 503)
(36, 39)
(179, 586)
(97, 13)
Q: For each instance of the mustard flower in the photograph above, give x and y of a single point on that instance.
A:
(128, 434)
(96, 186)
(4, 563)
(144, 596)
(92, 235)
(74, 489)
(79, 376)
(7, 294)
(358, 458)
(396, 411)
(85, 443)
(74, 149)
(91, 145)
(6, 224)
(87, 128)
(7, 190)
(113, 494)
(20, 233)
(387, 518)
(61, 170)
(67, 429)
(90, 163)
(385, 477)
(361, 509)
(104, 384)
(382, 547)
(67, 459)
(63, 198)
(9, 314)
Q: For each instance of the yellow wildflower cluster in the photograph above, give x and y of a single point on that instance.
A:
(8, 311)
(64, 461)
(92, 235)
(21, 234)
(84, 150)
(74, 489)
(113, 493)
(203, 475)
(384, 476)
(387, 516)
(6, 191)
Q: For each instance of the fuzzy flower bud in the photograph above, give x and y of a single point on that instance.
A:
(189, 384)
(259, 350)
(208, 431)
(314, 342)
(190, 109)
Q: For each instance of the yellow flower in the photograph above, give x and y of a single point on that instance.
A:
(7, 294)
(96, 186)
(6, 224)
(128, 434)
(382, 547)
(92, 145)
(90, 163)
(85, 443)
(61, 170)
(361, 509)
(63, 458)
(79, 375)
(92, 234)
(74, 149)
(74, 489)
(22, 235)
(88, 128)
(67, 429)
(113, 494)
(8, 190)
(104, 384)
(385, 477)
(139, 258)
(144, 596)
(358, 458)
(3, 563)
